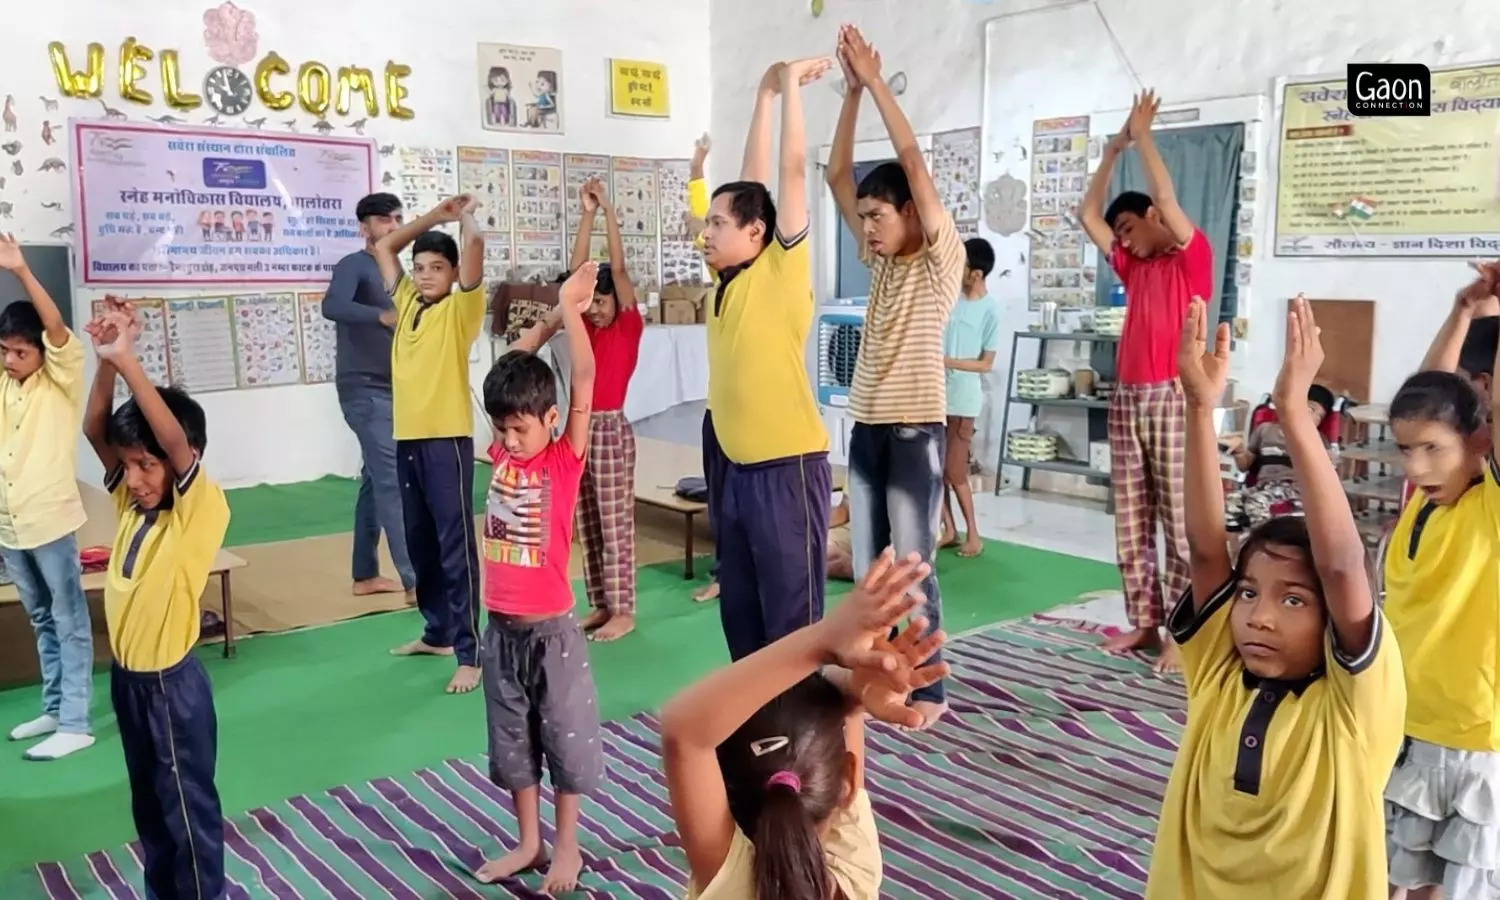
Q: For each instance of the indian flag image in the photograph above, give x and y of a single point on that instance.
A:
(1361, 208)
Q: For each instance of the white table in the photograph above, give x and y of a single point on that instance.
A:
(672, 369)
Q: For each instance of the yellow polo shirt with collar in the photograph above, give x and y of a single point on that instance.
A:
(430, 361)
(158, 568)
(1276, 791)
(40, 419)
(758, 390)
(1442, 584)
(698, 201)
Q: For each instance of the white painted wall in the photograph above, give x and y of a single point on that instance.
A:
(289, 434)
(1058, 58)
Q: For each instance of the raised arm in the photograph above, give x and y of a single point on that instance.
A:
(924, 193)
(1338, 552)
(624, 287)
(1475, 300)
(1091, 213)
(470, 247)
(121, 328)
(791, 186)
(1204, 374)
(757, 164)
(1158, 181)
(52, 319)
(840, 174)
(576, 295)
(389, 247)
(101, 401)
(588, 205)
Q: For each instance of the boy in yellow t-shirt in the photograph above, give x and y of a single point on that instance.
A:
(439, 311)
(41, 401)
(172, 519)
(1295, 692)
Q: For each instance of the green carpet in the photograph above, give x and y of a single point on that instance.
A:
(291, 512)
(301, 712)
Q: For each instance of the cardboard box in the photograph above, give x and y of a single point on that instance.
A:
(696, 295)
(516, 306)
(678, 312)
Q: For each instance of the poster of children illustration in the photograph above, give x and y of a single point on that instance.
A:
(520, 88)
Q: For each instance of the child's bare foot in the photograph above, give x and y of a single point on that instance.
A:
(464, 680)
(707, 592)
(420, 648)
(595, 619)
(949, 538)
(562, 875)
(1168, 663)
(521, 859)
(930, 712)
(1135, 639)
(370, 586)
(972, 547)
(617, 627)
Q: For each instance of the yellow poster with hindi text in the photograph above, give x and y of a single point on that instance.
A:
(639, 88)
(1391, 186)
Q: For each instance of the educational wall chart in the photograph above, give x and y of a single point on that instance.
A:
(1391, 186)
(265, 339)
(540, 253)
(577, 169)
(160, 205)
(681, 261)
(1059, 177)
(484, 173)
(318, 339)
(520, 88)
(955, 171)
(428, 176)
(634, 194)
(150, 346)
(200, 342)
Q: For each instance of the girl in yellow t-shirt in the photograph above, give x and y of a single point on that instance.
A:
(765, 758)
(1442, 575)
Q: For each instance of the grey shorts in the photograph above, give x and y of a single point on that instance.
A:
(1443, 821)
(540, 704)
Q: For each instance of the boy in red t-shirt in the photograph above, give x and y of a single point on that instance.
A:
(1164, 261)
(539, 696)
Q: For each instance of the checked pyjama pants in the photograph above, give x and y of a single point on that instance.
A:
(1146, 454)
(606, 514)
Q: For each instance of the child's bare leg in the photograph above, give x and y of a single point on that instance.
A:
(949, 535)
(529, 853)
(972, 545)
(567, 858)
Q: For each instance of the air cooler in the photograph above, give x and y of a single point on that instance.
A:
(838, 347)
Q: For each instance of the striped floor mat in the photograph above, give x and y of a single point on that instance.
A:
(1045, 782)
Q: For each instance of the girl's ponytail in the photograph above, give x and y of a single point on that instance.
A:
(789, 862)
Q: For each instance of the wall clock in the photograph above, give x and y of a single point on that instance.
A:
(227, 90)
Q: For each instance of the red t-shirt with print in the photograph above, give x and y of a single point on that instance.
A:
(1157, 293)
(528, 531)
(617, 346)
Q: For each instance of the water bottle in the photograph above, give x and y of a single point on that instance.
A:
(1117, 295)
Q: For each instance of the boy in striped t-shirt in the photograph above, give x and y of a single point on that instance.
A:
(898, 397)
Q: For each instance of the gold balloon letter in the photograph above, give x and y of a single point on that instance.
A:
(395, 91)
(314, 84)
(273, 99)
(87, 83)
(132, 55)
(353, 79)
(171, 84)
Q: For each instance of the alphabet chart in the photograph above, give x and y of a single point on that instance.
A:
(265, 339)
(200, 343)
(150, 346)
(319, 352)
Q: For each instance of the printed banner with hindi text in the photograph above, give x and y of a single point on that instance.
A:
(1407, 186)
(206, 206)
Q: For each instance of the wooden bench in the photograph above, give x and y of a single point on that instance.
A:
(224, 563)
(659, 465)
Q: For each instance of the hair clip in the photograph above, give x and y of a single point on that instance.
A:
(769, 745)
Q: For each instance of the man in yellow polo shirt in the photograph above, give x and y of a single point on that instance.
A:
(772, 511)
(41, 406)
(434, 424)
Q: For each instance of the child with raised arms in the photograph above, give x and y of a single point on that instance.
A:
(765, 758)
(1442, 581)
(539, 698)
(1295, 691)
(172, 520)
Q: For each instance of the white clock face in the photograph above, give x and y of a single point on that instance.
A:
(227, 90)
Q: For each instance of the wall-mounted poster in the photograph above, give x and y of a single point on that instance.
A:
(1390, 186)
(1059, 176)
(638, 88)
(182, 206)
(150, 346)
(955, 171)
(520, 88)
(484, 173)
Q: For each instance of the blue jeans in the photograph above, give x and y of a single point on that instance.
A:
(49, 580)
(895, 500)
(367, 410)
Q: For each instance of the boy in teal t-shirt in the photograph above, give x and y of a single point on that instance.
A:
(969, 346)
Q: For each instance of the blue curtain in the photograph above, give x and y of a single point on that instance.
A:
(1204, 163)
